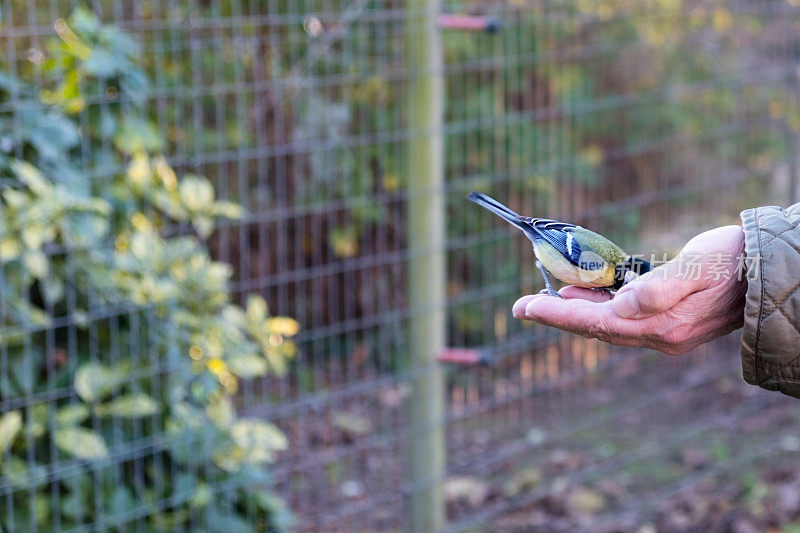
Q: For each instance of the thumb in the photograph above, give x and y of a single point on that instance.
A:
(656, 292)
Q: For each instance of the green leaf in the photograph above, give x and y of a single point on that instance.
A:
(258, 439)
(248, 366)
(94, 381)
(35, 235)
(53, 134)
(7, 82)
(24, 370)
(196, 193)
(41, 509)
(10, 248)
(137, 134)
(228, 458)
(169, 521)
(30, 176)
(228, 210)
(202, 495)
(280, 515)
(38, 317)
(203, 225)
(84, 20)
(81, 443)
(52, 289)
(15, 198)
(20, 476)
(351, 423)
(101, 63)
(256, 308)
(221, 412)
(72, 414)
(186, 416)
(37, 423)
(344, 241)
(36, 263)
(129, 406)
(10, 424)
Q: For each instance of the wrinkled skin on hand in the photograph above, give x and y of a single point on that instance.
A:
(673, 308)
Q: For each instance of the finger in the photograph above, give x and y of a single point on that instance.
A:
(518, 310)
(657, 291)
(593, 295)
(728, 240)
(580, 316)
(661, 289)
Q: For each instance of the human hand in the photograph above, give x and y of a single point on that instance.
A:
(672, 308)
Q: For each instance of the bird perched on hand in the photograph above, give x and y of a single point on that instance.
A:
(568, 252)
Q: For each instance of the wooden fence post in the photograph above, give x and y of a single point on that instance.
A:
(426, 283)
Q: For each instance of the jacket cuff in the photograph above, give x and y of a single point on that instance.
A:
(769, 347)
(753, 306)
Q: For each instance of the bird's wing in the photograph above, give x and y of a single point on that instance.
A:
(559, 235)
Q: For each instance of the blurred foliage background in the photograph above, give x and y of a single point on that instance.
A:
(118, 331)
(180, 178)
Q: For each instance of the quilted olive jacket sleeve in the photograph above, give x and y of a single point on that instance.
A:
(771, 336)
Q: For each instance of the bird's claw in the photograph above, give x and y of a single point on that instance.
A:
(548, 287)
(604, 290)
(551, 292)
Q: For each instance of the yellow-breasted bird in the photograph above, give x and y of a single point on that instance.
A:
(568, 252)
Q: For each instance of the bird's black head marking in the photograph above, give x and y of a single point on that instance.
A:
(631, 264)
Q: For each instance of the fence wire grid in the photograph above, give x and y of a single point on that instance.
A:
(645, 120)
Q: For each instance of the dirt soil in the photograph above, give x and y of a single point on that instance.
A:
(634, 441)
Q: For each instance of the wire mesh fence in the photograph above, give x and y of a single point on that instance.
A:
(647, 121)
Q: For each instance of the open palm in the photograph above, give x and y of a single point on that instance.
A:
(693, 299)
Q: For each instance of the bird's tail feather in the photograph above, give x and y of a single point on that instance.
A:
(497, 208)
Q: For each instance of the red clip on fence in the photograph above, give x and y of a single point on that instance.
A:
(468, 22)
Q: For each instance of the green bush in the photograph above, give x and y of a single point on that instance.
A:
(109, 294)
